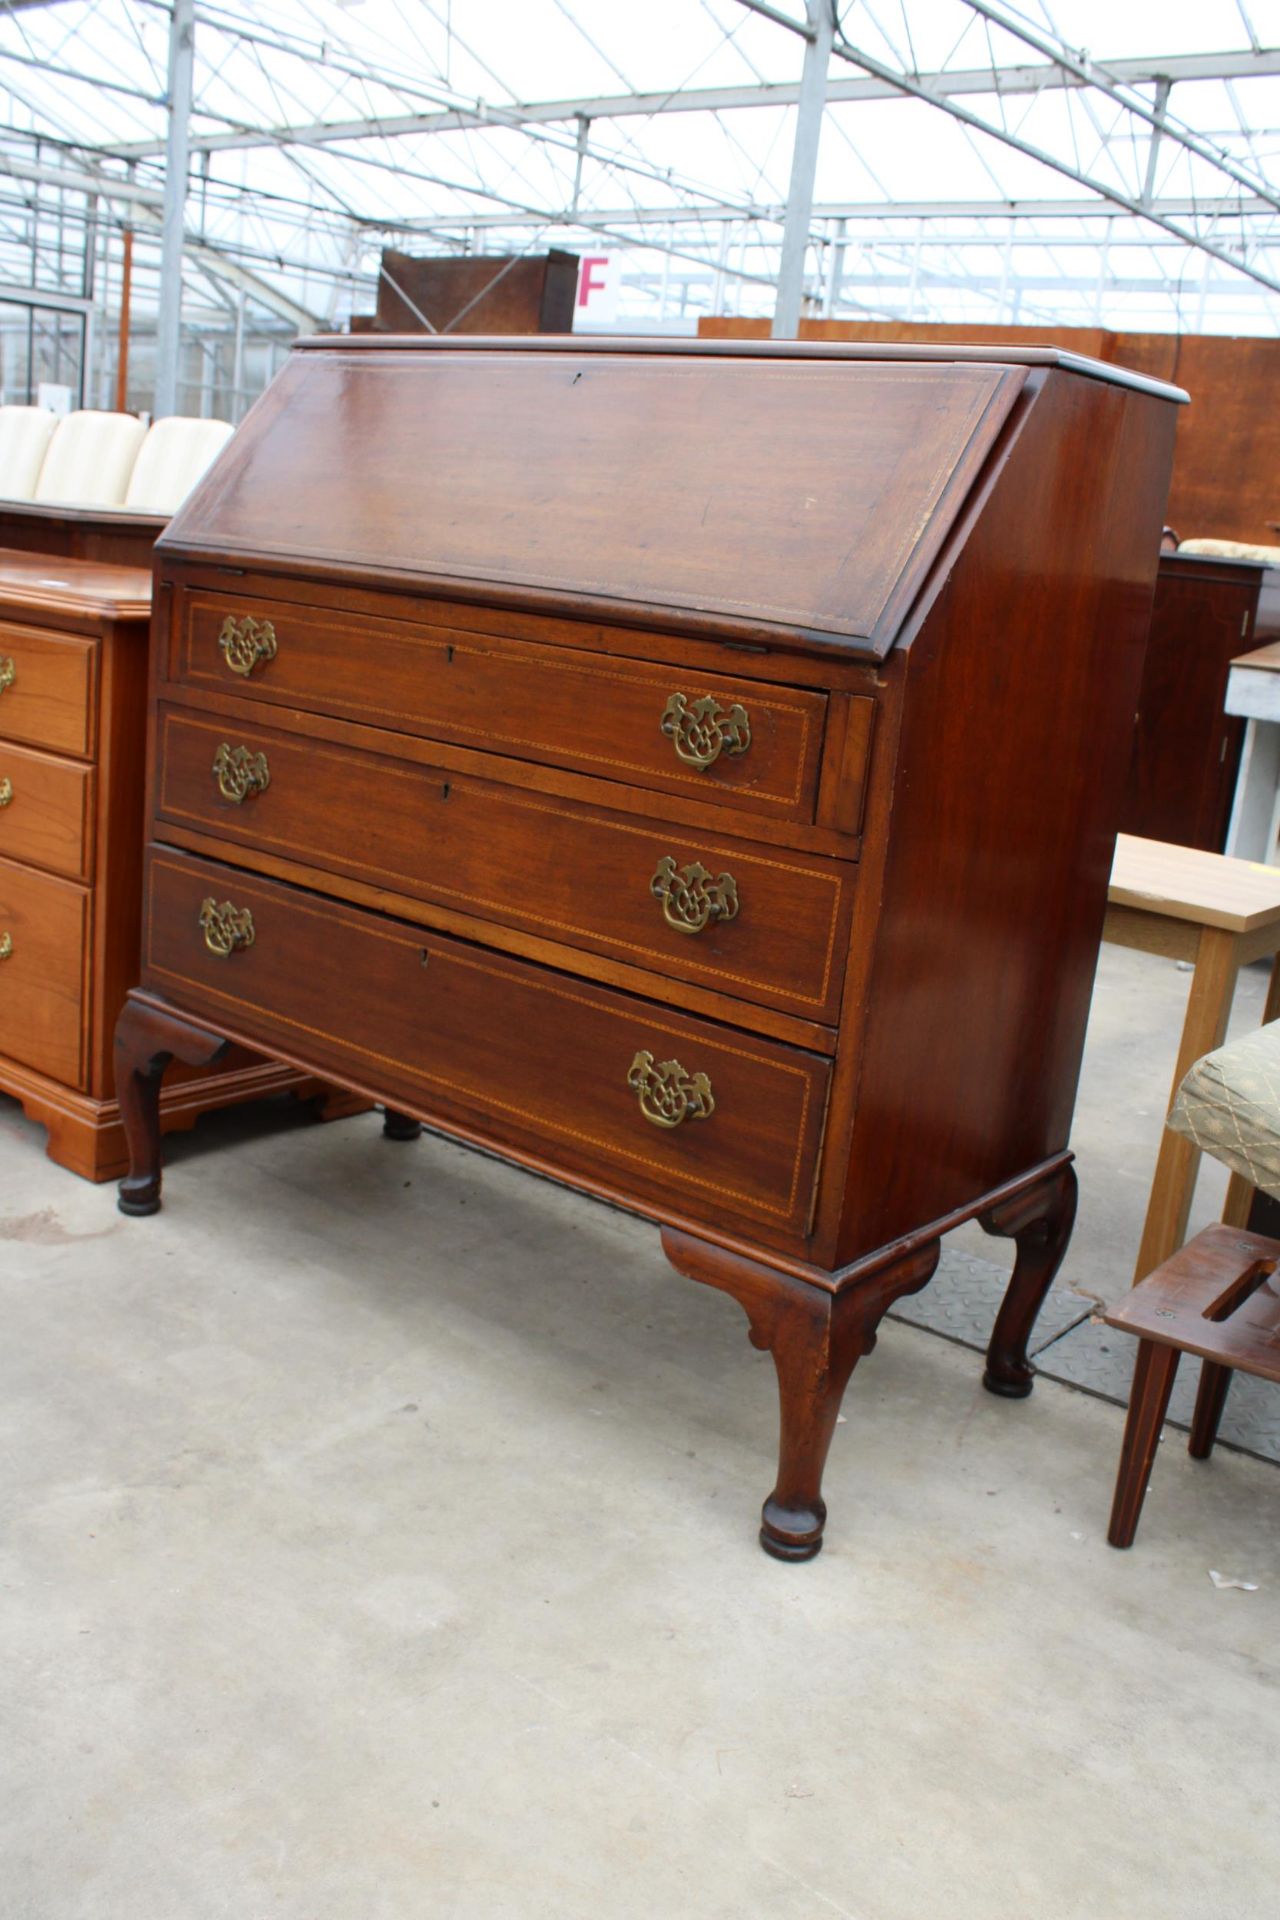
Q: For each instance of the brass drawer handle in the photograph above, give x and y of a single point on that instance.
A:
(668, 1094)
(690, 898)
(6, 945)
(702, 732)
(246, 642)
(225, 927)
(6, 791)
(8, 672)
(239, 773)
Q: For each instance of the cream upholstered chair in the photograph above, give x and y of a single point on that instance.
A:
(172, 458)
(89, 460)
(25, 433)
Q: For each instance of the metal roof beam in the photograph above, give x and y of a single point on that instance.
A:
(907, 84)
(1100, 78)
(1077, 209)
(1238, 65)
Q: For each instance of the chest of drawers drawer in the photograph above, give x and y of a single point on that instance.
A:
(42, 943)
(707, 736)
(763, 923)
(46, 689)
(45, 811)
(717, 1124)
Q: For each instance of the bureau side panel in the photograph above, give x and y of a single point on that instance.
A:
(1021, 684)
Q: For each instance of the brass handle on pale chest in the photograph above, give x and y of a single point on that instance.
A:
(668, 1095)
(6, 945)
(702, 732)
(690, 898)
(246, 642)
(240, 773)
(6, 791)
(225, 927)
(8, 672)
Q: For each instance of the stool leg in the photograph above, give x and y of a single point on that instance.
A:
(1148, 1404)
(1210, 1400)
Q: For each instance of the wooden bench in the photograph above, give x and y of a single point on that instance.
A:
(1219, 914)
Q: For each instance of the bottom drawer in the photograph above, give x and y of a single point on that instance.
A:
(581, 1077)
(42, 942)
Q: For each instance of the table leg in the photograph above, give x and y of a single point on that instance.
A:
(1251, 832)
(1213, 986)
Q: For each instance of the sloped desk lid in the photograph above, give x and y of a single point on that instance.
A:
(796, 494)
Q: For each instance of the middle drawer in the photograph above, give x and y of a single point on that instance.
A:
(765, 924)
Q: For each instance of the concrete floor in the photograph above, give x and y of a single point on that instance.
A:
(379, 1543)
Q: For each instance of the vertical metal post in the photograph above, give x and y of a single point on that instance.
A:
(182, 37)
(126, 299)
(835, 271)
(804, 166)
(237, 365)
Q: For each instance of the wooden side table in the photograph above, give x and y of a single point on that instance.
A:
(1253, 694)
(1220, 914)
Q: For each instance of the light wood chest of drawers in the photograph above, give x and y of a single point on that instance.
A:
(73, 674)
(690, 772)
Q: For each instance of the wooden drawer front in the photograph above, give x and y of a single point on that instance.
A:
(532, 1059)
(529, 702)
(42, 939)
(579, 875)
(44, 811)
(46, 689)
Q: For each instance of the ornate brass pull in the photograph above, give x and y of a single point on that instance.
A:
(246, 642)
(668, 1094)
(6, 945)
(225, 927)
(240, 773)
(702, 732)
(690, 898)
(8, 672)
(6, 791)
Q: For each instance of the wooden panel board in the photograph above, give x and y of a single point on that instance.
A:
(805, 495)
(538, 1060)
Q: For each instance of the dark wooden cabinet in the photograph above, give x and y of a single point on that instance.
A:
(691, 772)
(1186, 750)
(106, 534)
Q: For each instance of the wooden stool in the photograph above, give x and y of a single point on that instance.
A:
(1220, 914)
(1216, 1297)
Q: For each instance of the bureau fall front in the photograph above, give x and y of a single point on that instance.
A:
(686, 770)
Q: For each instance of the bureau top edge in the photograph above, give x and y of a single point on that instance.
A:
(996, 354)
(804, 498)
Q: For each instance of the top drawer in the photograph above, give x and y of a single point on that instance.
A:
(46, 687)
(707, 736)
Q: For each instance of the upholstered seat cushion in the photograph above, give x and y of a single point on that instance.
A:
(25, 433)
(171, 459)
(89, 460)
(1232, 550)
(1229, 1104)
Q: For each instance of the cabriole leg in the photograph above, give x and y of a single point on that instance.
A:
(816, 1338)
(147, 1039)
(1039, 1221)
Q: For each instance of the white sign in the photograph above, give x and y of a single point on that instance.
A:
(599, 284)
(58, 399)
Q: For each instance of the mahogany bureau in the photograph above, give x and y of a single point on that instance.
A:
(689, 769)
(73, 676)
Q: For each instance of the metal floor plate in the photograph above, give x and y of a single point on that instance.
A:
(963, 1298)
(961, 1302)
